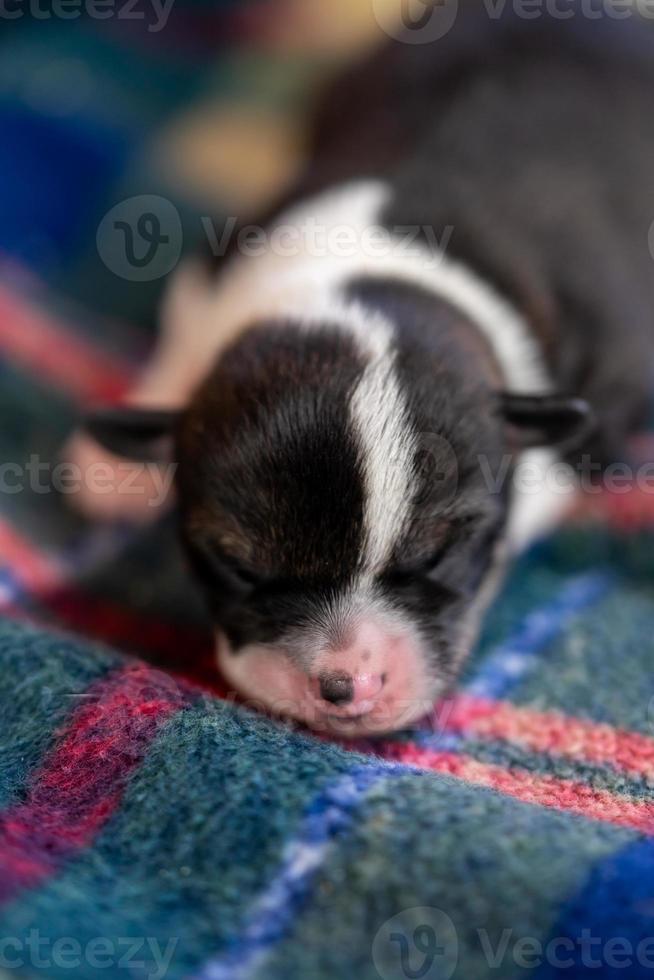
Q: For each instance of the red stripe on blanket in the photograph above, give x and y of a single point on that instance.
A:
(629, 505)
(82, 780)
(624, 513)
(49, 349)
(35, 570)
(574, 738)
(183, 649)
(548, 791)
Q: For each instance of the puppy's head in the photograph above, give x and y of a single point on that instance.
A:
(335, 510)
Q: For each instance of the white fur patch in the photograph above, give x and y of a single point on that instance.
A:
(381, 420)
(306, 283)
(544, 487)
(376, 252)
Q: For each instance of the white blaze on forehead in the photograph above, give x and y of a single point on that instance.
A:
(380, 420)
(386, 438)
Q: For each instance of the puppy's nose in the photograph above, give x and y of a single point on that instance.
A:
(337, 688)
(341, 689)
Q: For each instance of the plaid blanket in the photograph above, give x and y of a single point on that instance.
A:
(148, 826)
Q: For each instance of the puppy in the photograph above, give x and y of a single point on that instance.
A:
(459, 293)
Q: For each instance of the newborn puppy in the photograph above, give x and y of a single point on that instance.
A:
(348, 418)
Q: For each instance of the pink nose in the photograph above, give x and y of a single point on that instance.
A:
(341, 688)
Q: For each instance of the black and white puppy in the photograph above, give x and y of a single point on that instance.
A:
(351, 403)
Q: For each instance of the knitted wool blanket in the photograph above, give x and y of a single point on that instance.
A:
(149, 827)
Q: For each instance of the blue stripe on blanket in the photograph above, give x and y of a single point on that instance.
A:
(331, 813)
(607, 931)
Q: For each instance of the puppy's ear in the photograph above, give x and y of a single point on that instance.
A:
(548, 420)
(144, 434)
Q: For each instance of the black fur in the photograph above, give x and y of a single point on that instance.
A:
(269, 479)
(532, 141)
(450, 382)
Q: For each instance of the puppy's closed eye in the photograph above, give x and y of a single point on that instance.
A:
(220, 569)
(432, 546)
(459, 559)
(421, 567)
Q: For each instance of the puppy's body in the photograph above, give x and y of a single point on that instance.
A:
(342, 442)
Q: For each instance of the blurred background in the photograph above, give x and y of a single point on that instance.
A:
(201, 106)
(202, 103)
